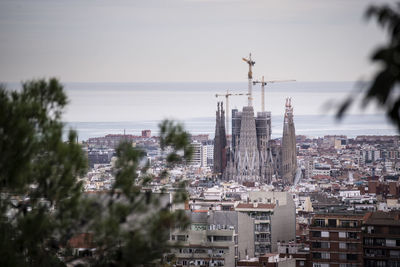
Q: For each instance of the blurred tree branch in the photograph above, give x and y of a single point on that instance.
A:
(384, 89)
(42, 204)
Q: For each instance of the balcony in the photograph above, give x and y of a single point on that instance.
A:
(262, 229)
(263, 240)
(333, 226)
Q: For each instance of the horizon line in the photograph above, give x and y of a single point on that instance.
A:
(158, 82)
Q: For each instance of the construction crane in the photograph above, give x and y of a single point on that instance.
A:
(227, 95)
(263, 83)
(250, 76)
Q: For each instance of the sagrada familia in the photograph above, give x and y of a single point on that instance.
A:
(252, 155)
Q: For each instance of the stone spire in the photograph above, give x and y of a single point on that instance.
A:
(217, 145)
(247, 156)
(223, 143)
(219, 141)
(288, 164)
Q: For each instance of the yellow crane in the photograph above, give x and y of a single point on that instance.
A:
(227, 95)
(263, 83)
(251, 63)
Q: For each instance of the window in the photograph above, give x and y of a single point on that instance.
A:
(324, 234)
(394, 230)
(320, 264)
(181, 237)
(316, 244)
(218, 238)
(368, 241)
(342, 234)
(370, 230)
(325, 255)
(199, 227)
(374, 252)
(352, 235)
(317, 255)
(352, 257)
(352, 246)
(394, 253)
(316, 233)
(342, 245)
(325, 245)
(390, 242)
(332, 222)
(319, 222)
(342, 256)
(320, 244)
(380, 242)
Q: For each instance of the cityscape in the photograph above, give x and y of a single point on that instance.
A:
(259, 201)
(201, 133)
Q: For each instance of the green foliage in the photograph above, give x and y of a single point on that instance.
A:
(172, 135)
(384, 89)
(42, 204)
(135, 225)
(38, 172)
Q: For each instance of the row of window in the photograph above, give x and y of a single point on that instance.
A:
(382, 230)
(340, 265)
(382, 242)
(342, 245)
(351, 235)
(381, 252)
(327, 255)
(179, 237)
(218, 238)
(381, 263)
(202, 250)
(335, 223)
(201, 263)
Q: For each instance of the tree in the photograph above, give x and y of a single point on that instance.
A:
(385, 87)
(42, 204)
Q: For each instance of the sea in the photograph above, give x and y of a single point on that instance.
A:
(98, 109)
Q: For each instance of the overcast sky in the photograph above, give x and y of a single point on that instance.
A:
(186, 40)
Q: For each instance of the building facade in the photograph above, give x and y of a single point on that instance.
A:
(214, 238)
(336, 240)
(381, 239)
(274, 219)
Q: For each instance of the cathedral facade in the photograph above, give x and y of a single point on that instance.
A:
(253, 156)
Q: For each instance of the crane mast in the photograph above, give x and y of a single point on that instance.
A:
(263, 84)
(250, 77)
(227, 95)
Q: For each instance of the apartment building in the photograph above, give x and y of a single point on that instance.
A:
(381, 239)
(214, 238)
(336, 240)
(274, 219)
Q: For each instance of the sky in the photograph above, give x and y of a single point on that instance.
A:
(186, 40)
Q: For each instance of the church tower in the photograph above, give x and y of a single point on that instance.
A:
(220, 142)
(288, 164)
